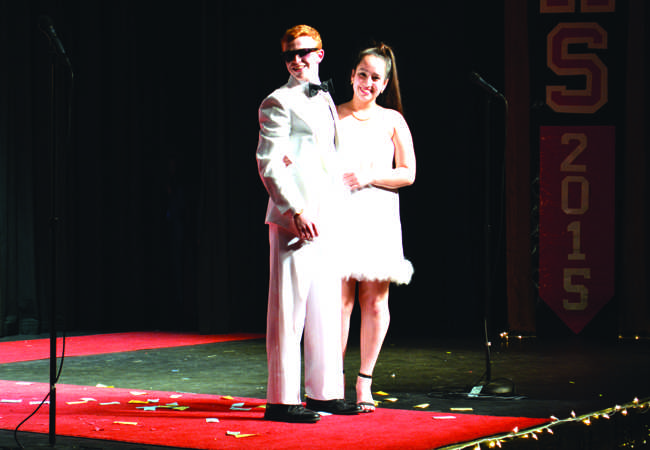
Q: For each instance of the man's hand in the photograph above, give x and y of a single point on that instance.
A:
(305, 227)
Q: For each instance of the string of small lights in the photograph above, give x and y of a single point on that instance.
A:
(534, 433)
(505, 337)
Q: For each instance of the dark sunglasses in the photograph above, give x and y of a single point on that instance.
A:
(290, 55)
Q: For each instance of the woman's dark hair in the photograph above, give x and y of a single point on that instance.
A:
(393, 95)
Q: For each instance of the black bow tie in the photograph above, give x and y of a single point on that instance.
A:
(325, 86)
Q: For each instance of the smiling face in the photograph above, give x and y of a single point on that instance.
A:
(369, 78)
(303, 67)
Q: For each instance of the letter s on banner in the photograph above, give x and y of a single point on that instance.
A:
(563, 62)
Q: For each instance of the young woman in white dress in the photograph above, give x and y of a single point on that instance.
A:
(378, 155)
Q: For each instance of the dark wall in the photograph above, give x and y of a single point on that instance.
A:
(161, 205)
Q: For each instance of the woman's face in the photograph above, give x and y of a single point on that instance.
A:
(369, 78)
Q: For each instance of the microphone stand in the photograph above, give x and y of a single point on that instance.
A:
(53, 237)
(486, 387)
(56, 50)
(488, 228)
(487, 244)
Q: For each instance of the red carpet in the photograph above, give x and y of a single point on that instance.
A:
(212, 422)
(17, 351)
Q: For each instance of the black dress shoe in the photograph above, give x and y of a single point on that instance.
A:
(338, 406)
(290, 413)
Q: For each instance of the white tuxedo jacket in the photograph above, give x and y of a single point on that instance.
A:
(296, 151)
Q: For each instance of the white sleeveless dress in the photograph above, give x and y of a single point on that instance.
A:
(372, 232)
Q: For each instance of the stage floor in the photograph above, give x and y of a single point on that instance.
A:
(571, 376)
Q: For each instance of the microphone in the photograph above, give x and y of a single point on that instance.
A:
(479, 81)
(46, 24)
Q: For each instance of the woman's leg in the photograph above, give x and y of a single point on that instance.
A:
(375, 318)
(347, 298)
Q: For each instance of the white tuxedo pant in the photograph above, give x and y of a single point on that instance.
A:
(304, 295)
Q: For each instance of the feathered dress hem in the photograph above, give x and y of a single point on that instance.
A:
(401, 274)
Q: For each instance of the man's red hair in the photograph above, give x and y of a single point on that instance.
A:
(301, 30)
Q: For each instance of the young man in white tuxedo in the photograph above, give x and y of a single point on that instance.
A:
(297, 144)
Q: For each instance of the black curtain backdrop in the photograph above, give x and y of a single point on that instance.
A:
(161, 208)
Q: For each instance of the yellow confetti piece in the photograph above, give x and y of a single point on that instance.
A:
(99, 385)
(381, 393)
(227, 397)
(422, 405)
(390, 399)
(239, 434)
(125, 423)
(174, 406)
(138, 401)
(461, 409)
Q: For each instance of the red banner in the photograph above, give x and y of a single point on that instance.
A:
(576, 221)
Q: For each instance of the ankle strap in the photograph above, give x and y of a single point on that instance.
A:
(363, 375)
